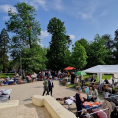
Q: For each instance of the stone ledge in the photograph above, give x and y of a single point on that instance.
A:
(10, 103)
(55, 109)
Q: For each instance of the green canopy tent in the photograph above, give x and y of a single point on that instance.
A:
(80, 73)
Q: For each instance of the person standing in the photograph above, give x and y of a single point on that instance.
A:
(45, 83)
(50, 85)
(72, 78)
(79, 101)
(113, 78)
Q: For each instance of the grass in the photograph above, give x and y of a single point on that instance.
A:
(6, 74)
(103, 77)
(70, 86)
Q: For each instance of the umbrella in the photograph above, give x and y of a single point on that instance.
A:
(80, 73)
(69, 68)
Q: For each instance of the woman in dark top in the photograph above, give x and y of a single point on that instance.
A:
(79, 100)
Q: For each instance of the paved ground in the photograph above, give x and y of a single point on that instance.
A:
(24, 93)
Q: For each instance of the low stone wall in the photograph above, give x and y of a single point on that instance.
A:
(55, 109)
(10, 103)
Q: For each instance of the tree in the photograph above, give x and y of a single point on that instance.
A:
(97, 52)
(27, 31)
(78, 56)
(84, 43)
(109, 43)
(24, 25)
(115, 51)
(33, 59)
(69, 41)
(58, 44)
(67, 58)
(4, 47)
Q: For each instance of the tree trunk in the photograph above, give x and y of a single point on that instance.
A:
(30, 41)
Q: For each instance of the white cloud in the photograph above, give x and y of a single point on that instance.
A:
(72, 36)
(5, 8)
(36, 3)
(5, 18)
(40, 44)
(58, 4)
(44, 34)
(85, 16)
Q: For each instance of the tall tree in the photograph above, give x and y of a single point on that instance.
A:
(23, 23)
(115, 52)
(4, 47)
(78, 58)
(97, 53)
(58, 44)
(109, 43)
(84, 43)
(27, 31)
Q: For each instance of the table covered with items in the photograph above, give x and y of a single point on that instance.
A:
(106, 109)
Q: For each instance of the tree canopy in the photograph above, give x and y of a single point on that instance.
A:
(58, 44)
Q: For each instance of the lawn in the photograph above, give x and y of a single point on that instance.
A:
(103, 77)
(6, 74)
(70, 85)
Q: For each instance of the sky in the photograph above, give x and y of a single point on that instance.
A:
(82, 18)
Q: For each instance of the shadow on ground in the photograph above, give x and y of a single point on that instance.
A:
(41, 111)
(38, 87)
(29, 99)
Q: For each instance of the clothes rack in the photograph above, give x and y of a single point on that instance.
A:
(112, 96)
(97, 111)
(90, 108)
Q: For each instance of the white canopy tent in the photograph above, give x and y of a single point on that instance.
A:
(103, 69)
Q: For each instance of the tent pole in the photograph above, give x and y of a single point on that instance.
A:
(82, 79)
(100, 78)
(82, 75)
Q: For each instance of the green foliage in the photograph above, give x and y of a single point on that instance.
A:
(97, 52)
(4, 47)
(84, 43)
(23, 23)
(67, 57)
(33, 59)
(58, 44)
(115, 51)
(27, 31)
(78, 56)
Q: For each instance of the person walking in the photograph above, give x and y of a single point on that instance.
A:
(45, 83)
(50, 85)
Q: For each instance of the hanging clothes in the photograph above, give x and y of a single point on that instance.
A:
(107, 104)
(113, 105)
(101, 113)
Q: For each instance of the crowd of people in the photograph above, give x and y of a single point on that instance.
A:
(30, 77)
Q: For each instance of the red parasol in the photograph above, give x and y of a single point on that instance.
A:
(69, 68)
